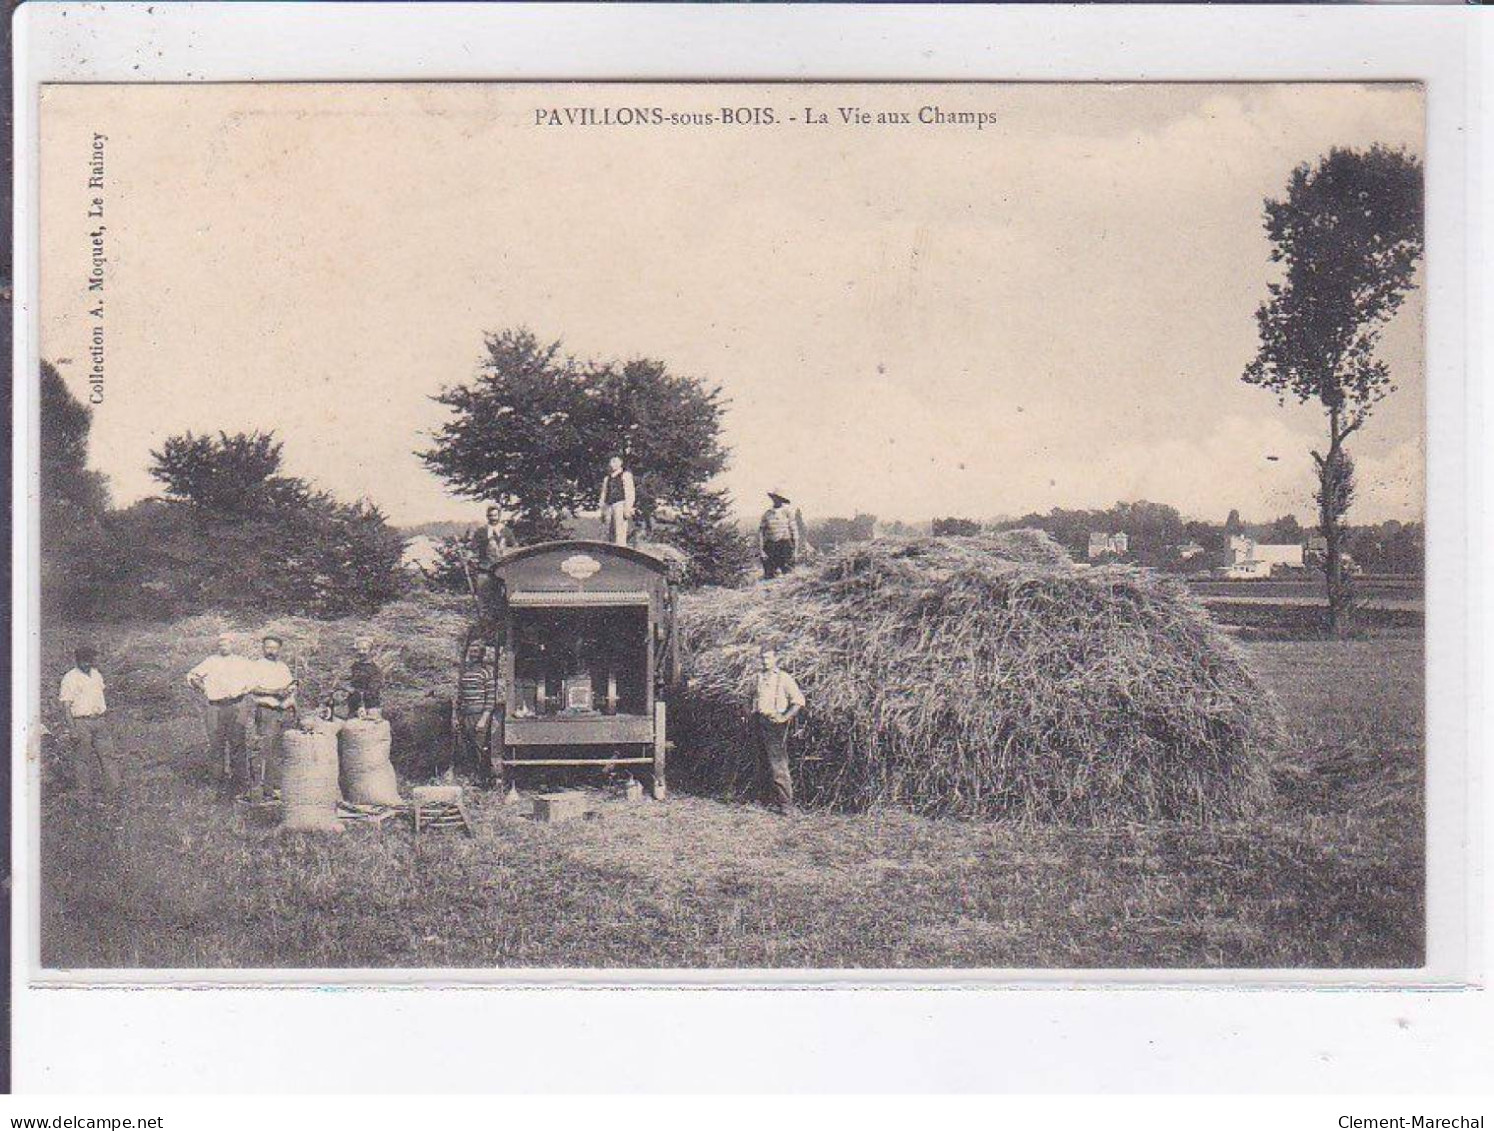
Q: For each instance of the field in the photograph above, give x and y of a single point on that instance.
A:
(1332, 876)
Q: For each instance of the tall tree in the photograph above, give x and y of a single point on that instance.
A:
(1349, 235)
(234, 531)
(533, 430)
(74, 501)
(70, 492)
(227, 476)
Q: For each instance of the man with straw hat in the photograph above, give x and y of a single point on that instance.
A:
(776, 699)
(778, 537)
(225, 680)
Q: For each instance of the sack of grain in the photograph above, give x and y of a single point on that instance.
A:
(367, 775)
(308, 782)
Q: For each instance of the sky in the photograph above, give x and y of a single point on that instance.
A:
(1052, 310)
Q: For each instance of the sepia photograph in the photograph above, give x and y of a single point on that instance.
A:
(704, 526)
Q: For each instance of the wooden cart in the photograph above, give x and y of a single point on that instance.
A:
(586, 651)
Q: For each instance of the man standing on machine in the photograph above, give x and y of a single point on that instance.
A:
(616, 501)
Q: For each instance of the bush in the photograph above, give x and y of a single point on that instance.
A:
(160, 559)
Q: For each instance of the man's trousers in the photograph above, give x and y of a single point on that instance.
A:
(269, 725)
(615, 519)
(778, 557)
(228, 721)
(775, 785)
(95, 760)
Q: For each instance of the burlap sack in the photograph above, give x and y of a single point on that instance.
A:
(367, 774)
(308, 782)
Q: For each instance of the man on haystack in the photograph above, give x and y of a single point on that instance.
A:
(778, 537)
(776, 699)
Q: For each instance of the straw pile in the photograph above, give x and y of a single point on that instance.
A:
(983, 676)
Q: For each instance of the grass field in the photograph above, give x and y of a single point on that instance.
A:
(1332, 876)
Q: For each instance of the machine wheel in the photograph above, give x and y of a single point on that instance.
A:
(661, 787)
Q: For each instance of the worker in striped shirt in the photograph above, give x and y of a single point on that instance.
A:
(476, 700)
(778, 537)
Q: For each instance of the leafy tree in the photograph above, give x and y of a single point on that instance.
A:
(533, 430)
(1349, 235)
(828, 533)
(73, 498)
(955, 527)
(227, 476)
(70, 492)
(720, 553)
(1233, 523)
(1285, 530)
(233, 534)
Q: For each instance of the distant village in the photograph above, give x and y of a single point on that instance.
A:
(1139, 533)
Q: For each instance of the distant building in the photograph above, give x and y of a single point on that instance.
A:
(1249, 558)
(1247, 570)
(1189, 550)
(1108, 545)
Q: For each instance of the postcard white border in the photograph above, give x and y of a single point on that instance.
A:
(431, 42)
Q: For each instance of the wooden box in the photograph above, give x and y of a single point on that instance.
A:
(552, 808)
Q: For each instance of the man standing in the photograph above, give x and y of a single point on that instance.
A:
(83, 705)
(476, 700)
(778, 537)
(274, 709)
(776, 699)
(616, 501)
(490, 543)
(366, 681)
(225, 681)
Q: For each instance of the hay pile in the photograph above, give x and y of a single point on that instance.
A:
(983, 676)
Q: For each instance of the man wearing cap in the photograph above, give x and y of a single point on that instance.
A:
(616, 501)
(274, 699)
(83, 706)
(778, 537)
(225, 681)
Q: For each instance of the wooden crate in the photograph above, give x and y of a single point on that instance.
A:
(552, 808)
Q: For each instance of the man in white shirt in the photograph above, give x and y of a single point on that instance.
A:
(225, 680)
(776, 699)
(95, 767)
(616, 501)
(274, 699)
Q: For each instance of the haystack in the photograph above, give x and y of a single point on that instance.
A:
(984, 676)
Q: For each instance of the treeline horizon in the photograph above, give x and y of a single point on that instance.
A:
(1157, 534)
